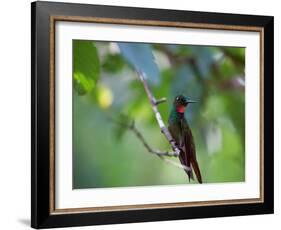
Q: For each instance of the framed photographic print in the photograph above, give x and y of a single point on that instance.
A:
(147, 114)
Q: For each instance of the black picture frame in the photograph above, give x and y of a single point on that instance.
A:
(43, 14)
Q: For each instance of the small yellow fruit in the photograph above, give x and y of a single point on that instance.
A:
(104, 96)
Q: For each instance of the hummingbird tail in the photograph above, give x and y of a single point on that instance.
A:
(185, 161)
(190, 174)
(196, 169)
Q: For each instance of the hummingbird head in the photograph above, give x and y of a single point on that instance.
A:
(181, 103)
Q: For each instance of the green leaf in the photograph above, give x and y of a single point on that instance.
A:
(236, 53)
(113, 63)
(121, 126)
(86, 66)
(227, 68)
(183, 51)
(82, 84)
(140, 56)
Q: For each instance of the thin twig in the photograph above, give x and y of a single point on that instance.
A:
(146, 145)
(159, 153)
(158, 116)
(161, 100)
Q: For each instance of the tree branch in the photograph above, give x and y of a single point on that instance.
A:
(159, 153)
(161, 124)
(158, 116)
(164, 130)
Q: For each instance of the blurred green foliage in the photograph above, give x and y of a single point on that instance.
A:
(107, 90)
(86, 66)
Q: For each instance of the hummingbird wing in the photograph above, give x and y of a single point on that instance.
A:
(190, 151)
(177, 133)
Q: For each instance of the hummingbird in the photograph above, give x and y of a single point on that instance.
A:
(181, 133)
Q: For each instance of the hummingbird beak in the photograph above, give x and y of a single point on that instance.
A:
(187, 101)
(191, 101)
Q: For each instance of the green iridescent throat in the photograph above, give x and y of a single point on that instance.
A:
(175, 116)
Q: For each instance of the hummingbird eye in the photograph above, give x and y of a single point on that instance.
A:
(177, 98)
